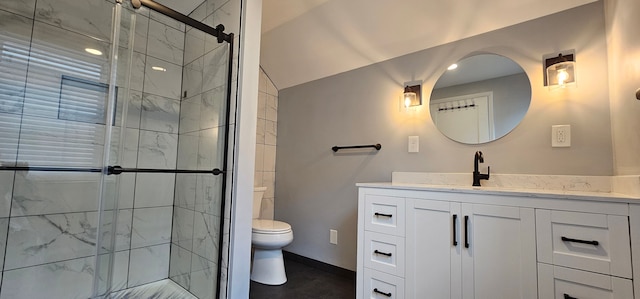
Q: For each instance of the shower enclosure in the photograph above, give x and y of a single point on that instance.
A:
(114, 134)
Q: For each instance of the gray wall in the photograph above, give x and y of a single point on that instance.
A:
(316, 188)
(624, 79)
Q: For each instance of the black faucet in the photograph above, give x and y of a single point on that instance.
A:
(477, 176)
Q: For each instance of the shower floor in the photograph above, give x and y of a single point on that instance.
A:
(163, 289)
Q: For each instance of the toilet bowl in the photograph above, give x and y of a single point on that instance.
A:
(267, 239)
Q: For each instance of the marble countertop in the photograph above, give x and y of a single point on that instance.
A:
(540, 193)
(607, 188)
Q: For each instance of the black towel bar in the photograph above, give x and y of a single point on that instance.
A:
(376, 146)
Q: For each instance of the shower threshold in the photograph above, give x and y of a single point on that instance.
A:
(163, 289)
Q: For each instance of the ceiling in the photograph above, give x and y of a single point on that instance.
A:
(305, 40)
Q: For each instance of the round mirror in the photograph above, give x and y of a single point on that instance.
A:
(482, 99)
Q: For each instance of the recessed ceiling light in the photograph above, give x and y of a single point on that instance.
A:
(452, 67)
(158, 68)
(93, 51)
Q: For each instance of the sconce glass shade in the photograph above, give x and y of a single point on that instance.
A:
(412, 96)
(561, 74)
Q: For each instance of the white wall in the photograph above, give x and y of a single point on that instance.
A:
(624, 78)
(316, 188)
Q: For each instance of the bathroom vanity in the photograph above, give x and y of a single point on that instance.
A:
(419, 240)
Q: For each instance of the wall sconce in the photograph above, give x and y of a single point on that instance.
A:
(560, 70)
(412, 96)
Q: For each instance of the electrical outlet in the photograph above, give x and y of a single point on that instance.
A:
(333, 236)
(414, 144)
(561, 136)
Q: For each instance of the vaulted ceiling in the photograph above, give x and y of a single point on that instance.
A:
(305, 40)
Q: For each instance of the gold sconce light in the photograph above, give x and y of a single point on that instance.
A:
(560, 70)
(412, 95)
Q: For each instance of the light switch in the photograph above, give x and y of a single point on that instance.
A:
(561, 136)
(414, 144)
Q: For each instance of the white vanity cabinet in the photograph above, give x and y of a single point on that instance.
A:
(449, 244)
(453, 246)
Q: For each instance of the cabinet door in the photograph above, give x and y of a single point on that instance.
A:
(433, 246)
(499, 257)
(565, 283)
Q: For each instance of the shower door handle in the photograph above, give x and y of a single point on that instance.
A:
(116, 170)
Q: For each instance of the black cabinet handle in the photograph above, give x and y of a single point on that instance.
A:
(382, 293)
(594, 243)
(383, 215)
(383, 253)
(466, 231)
(455, 237)
(566, 296)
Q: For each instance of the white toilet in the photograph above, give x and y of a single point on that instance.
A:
(267, 238)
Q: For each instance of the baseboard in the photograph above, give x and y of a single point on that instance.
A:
(320, 265)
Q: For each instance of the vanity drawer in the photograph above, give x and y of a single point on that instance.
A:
(384, 214)
(592, 242)
(556, 282)
(384, 253)
(378, 285)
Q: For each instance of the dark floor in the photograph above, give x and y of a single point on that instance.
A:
(307, 282)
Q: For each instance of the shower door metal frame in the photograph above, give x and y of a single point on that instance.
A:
(218, 32)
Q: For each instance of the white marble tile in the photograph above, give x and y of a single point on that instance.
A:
(154, 190)
(190, 114)
(157, 150)
(269, 158)
(180, 266)
(9, 136)
(262, 105)
(16, 32)
(6, 190)
(21, 7)
(271, 88)
(259, 164)
(141, 30)
(257, 178)
(60, 52)
(193, 45)
(210, 148)
(175, 24)
(70, 279)
(124, 147)
(163, 289)
(165, 83)
(188, 150)
(200, 12)
(165, 42)
(37, 193)
(192, 78)
(228, 15)
(160, 114)
(149, 264)
(61, 143)
(260, 131)
(151, 226)
(138, 68)
(271, 112)
(182, 232)
(89, 17)
(4, 224)
(203, 272)
(215, 69)
(120, 271)
(206, 234)
(213, 108)
(209, 194)
(269, 181)
(271, 133)
(186, 190)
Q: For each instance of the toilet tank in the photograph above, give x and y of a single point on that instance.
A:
(257, 201)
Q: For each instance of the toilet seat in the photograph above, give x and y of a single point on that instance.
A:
(267, 226)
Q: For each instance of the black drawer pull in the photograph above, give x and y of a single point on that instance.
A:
(566, 296)
(382, 293)
(594, 243)
(466, 231)
(383, 215)
(383, 253)
(455, 237)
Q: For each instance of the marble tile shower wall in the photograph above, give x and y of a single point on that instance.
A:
(48, 221)
(197, 215)
(267, 133)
